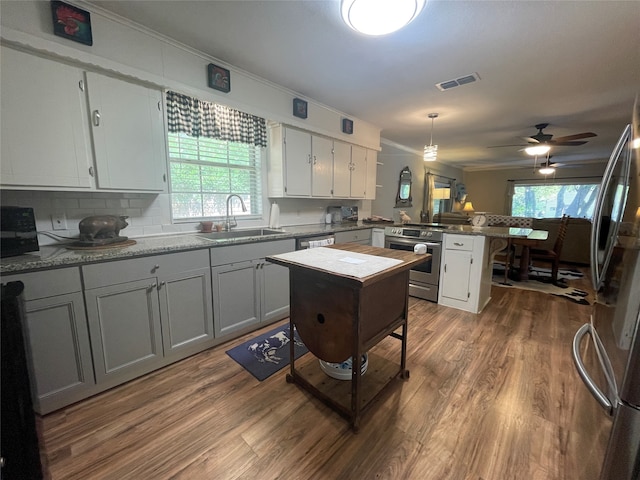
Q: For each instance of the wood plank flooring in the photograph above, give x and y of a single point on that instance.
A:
(491, 396)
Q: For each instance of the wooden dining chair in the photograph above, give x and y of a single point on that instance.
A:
(506, 257)
(552, 256)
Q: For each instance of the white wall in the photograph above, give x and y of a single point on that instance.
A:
(487, 190)
(134, 52)
(392, 159)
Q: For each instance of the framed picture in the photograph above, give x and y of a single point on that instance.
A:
(347, 126)
(219, 78)
(71, 22)
(299, 108)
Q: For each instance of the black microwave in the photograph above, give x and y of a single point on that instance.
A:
(18, 233)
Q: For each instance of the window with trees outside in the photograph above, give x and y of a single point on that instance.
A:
(205, 171)
(552, 200)
(214, 151)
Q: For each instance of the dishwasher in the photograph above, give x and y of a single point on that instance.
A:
(323, 240)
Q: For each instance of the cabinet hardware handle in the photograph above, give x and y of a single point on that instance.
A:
(81, 85)
(96, 118)
(91, 172)
(152, 286)
(160, 105)
(445, 271)
(309, 158)
(164, 177)
(315, 160)
(162, 284)
(457, 244)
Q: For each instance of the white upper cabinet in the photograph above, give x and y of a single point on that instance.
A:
(128, 134)
(341, 169)
(302, 164)
(51, 112)
(45, 137)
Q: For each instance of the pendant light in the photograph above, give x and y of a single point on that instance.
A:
(431, 150)
(379, 17)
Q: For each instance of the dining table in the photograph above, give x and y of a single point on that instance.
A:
(526, 238)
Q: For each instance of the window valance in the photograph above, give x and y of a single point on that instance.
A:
(198, 118)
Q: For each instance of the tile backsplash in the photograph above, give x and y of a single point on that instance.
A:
(149, 214)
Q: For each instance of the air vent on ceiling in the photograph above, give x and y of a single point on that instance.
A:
(458, 81)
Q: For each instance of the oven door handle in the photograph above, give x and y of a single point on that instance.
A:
(431, 244)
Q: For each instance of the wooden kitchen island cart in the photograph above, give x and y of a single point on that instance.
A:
(345, 299)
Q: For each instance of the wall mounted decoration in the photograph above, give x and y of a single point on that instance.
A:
(71, 22)
(219, 78)
(299, 108)
(347, 126)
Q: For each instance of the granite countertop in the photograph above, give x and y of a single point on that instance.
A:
(58, 255)
(498, 232)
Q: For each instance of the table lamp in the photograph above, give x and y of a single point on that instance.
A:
(468, 208)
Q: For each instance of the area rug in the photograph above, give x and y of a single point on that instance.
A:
(267, 353)
(540, 281)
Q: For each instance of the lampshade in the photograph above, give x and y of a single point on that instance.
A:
(441, 193)
(379, 17)
(468, 207)
(537, 150)
(431, 151)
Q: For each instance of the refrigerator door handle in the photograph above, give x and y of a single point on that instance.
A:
(582, 371)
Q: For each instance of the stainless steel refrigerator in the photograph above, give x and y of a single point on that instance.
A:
(606, 351)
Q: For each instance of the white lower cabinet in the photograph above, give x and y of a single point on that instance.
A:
(465, 276)
(248, 290)
(362, 237)
(147, 312)
(56, 338)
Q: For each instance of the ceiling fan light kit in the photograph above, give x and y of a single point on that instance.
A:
(537, 150)
(546, 170)
(379, 17)
(431, 151)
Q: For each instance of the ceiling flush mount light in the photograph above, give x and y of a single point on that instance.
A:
(431, 150)
(537, 150)
(379, 17)
(546, 170)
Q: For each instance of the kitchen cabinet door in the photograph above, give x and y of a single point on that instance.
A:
(275, 291)
(358, 171)
(125, 330)
(321, 166)
(456, 276)
(372, 174)
(297, 157)
(45, 136)
(341, 169)
(128, 134)
(186, 312)
(236, 297)
(56, 338)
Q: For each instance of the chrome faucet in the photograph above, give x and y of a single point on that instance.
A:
(229, 224)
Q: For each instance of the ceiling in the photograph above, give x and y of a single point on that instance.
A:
(572, 64)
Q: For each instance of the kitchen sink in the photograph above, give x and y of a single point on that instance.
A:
(249, 232)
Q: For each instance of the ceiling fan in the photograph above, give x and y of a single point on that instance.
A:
(547, 139)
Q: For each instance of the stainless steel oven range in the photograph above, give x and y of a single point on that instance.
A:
(423, 280)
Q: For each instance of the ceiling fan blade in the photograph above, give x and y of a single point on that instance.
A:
(531, 140)
(500, 146)
(577, 136)
(566, 144)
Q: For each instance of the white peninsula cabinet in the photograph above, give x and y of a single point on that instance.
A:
(56, 338)
(465, 276)
(65, 128)
(248, 290)
(147, 312)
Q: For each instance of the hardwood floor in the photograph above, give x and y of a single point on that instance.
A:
(491, 396)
